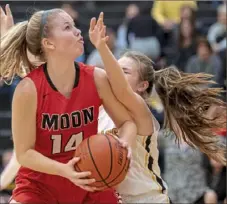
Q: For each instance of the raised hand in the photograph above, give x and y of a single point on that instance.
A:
(6, 19)
(97, 31)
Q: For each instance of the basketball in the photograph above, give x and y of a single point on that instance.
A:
(105, 158)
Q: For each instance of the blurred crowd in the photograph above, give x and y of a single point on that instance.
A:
(170, 34)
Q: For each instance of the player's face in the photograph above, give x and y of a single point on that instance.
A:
(131, 72)
(65, 37)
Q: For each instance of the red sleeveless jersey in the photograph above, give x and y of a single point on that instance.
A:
(62, 123)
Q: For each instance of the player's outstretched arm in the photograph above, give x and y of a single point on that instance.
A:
(114, 108)
(24, 136)
(120, 86)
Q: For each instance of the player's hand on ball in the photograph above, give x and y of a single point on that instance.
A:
(126, 145)
(78, 178)
(97, 31)
(6, 19)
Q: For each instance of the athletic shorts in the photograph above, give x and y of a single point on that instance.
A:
(49, 189)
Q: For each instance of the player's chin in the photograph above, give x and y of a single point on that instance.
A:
(79, 50)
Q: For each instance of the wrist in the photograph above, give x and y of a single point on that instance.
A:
(60, 169)
(101, 47)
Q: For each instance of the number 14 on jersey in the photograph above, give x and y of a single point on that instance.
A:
(72, 144)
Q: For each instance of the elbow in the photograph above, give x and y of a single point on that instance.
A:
(21, 157)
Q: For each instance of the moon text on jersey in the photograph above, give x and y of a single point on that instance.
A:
(65, 121)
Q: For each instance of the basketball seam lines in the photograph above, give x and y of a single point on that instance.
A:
(95, 164)
(120, 171)
(111, 159)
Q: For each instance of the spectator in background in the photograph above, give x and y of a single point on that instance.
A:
(167, 13)
(95, 59)
(189, 13)
(222, 76)
(216, 178)
(217, 32)
(205, 60)
(131, 11)
(145, 35)
(184, 172)
(186, 43)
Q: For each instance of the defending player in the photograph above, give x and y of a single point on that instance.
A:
(185, 102)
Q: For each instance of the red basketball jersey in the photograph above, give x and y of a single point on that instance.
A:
(62, 123)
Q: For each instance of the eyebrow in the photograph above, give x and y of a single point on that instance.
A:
(69, 23)
(125, 69)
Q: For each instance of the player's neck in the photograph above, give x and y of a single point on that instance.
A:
(61, 72)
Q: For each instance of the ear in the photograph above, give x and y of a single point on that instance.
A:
(47, 44)
(143, 86)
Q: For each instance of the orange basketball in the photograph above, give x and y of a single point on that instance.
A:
(105, 158)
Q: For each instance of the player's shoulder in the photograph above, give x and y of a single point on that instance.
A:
(25, 93)
(100, 74)
(88, 69)
(102, 82)
(26, 87)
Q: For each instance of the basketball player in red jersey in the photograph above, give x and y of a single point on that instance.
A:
(54, 108)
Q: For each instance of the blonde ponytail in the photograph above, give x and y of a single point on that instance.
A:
(13, 52)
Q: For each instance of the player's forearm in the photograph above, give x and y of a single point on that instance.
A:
(128, 132)
(114, 72)
(38, 162)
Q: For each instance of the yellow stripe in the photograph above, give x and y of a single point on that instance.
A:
(10, 187)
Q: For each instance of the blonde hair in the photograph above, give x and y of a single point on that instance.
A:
(23, 37)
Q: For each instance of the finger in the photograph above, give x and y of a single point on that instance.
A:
(8, 10)
(85, 181)
(129, 155)
(101, 16)
(103, 31)
(92, 24)
(84, 174)
(100, 20)
(123, 143)
(74, 160)
(2, 13)
(106, 38)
